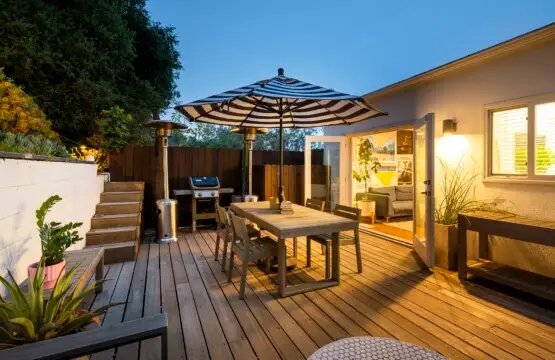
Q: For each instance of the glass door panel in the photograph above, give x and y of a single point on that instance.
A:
(423, 189)
(324, 169)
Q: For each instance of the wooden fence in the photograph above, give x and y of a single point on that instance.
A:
(138, 164)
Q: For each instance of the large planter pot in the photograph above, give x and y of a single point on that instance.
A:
(51, 273)
(367, 207)
(446, 242)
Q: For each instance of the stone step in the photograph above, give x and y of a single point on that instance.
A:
(121, 196)
(124, 186)
(123, 207)
(101, 221)
(118, 252)
(113, 235)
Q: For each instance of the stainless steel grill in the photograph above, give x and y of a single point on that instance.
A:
(206, 194)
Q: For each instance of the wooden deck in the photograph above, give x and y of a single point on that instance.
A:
(393, 297)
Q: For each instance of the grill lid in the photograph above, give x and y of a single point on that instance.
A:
(204, 182)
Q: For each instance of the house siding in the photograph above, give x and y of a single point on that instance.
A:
(464, 95)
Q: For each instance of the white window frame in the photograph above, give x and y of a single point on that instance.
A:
(530, 177)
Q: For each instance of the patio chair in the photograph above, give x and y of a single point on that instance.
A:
(93, 341)
(225, 232)
(344, 239)
(313, 204)
(264, 249)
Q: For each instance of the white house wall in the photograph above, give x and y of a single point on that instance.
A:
(24, 185)
(463, 96)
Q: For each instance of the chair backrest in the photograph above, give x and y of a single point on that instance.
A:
(239, 226)
(315, 204)
(223, 219)
(347, 212)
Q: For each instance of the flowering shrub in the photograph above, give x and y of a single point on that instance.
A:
(19, 113)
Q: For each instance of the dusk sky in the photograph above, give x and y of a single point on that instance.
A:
(350, 46)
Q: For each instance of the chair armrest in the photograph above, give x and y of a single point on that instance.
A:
(384, 205)
(92, 341)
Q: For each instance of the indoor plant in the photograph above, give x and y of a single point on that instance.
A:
(28, 318)
(367, 165)
(55, 239)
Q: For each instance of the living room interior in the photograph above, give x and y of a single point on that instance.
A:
(382, 186)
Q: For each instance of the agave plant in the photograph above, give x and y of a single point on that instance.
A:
(28, 318)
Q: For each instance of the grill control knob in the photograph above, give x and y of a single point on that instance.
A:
(197, 194)
(214, 193)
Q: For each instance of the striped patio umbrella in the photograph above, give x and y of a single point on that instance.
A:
(281, 102)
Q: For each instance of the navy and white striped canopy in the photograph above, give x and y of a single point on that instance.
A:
(264, 103)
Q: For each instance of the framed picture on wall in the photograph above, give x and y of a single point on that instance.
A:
(404, 172)
(405, 142)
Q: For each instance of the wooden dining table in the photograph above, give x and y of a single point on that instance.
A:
(302, 222)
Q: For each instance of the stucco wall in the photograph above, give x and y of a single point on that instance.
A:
(464, 96)
(24, 185)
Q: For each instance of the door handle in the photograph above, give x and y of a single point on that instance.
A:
(427, 193)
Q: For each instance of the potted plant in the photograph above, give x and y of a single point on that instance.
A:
(55, 239)
(367, 165)
(28, 318)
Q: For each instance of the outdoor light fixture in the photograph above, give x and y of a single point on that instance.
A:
(449, 127)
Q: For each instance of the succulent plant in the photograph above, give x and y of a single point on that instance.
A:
(28, 318)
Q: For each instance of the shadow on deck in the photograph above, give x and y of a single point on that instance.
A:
(393, 297)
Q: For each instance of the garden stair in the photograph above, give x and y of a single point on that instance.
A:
(117, 224)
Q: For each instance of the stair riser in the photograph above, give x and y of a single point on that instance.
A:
(124, 186)
(110, 238)
(103, 223)
(109, 197)
(120, 254)
(118, 209)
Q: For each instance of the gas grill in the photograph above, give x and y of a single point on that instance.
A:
(204, 186)
(205, 192)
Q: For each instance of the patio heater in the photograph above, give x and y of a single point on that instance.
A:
(249, 136)
(166, 208)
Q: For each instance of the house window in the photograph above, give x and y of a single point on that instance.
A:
(545, 139)
(509, 148)
(522, 141)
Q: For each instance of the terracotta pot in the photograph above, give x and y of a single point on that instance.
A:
(446, 240)
(51, 273)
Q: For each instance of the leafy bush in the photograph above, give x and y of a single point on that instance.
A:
(19, 113)
(115, 129)
(54, 237)
(28, 318)
(31, 144)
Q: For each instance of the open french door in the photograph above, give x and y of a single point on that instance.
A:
(325, 175)
(423, 223)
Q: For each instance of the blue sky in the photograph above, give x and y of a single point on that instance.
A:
(351, 46)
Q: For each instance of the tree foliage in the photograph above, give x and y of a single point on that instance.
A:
(79, 57)
(19, 113)
(216, 136)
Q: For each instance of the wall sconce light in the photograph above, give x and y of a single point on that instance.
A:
(449, 127)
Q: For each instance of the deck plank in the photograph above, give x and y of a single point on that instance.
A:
(213, 333)
(480, 337)
(393, 297)
(151, 348)
(170, 305)
(135, 300)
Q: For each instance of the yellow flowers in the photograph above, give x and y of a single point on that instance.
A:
(19, 113)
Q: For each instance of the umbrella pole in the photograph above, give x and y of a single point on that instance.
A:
(281, 194)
